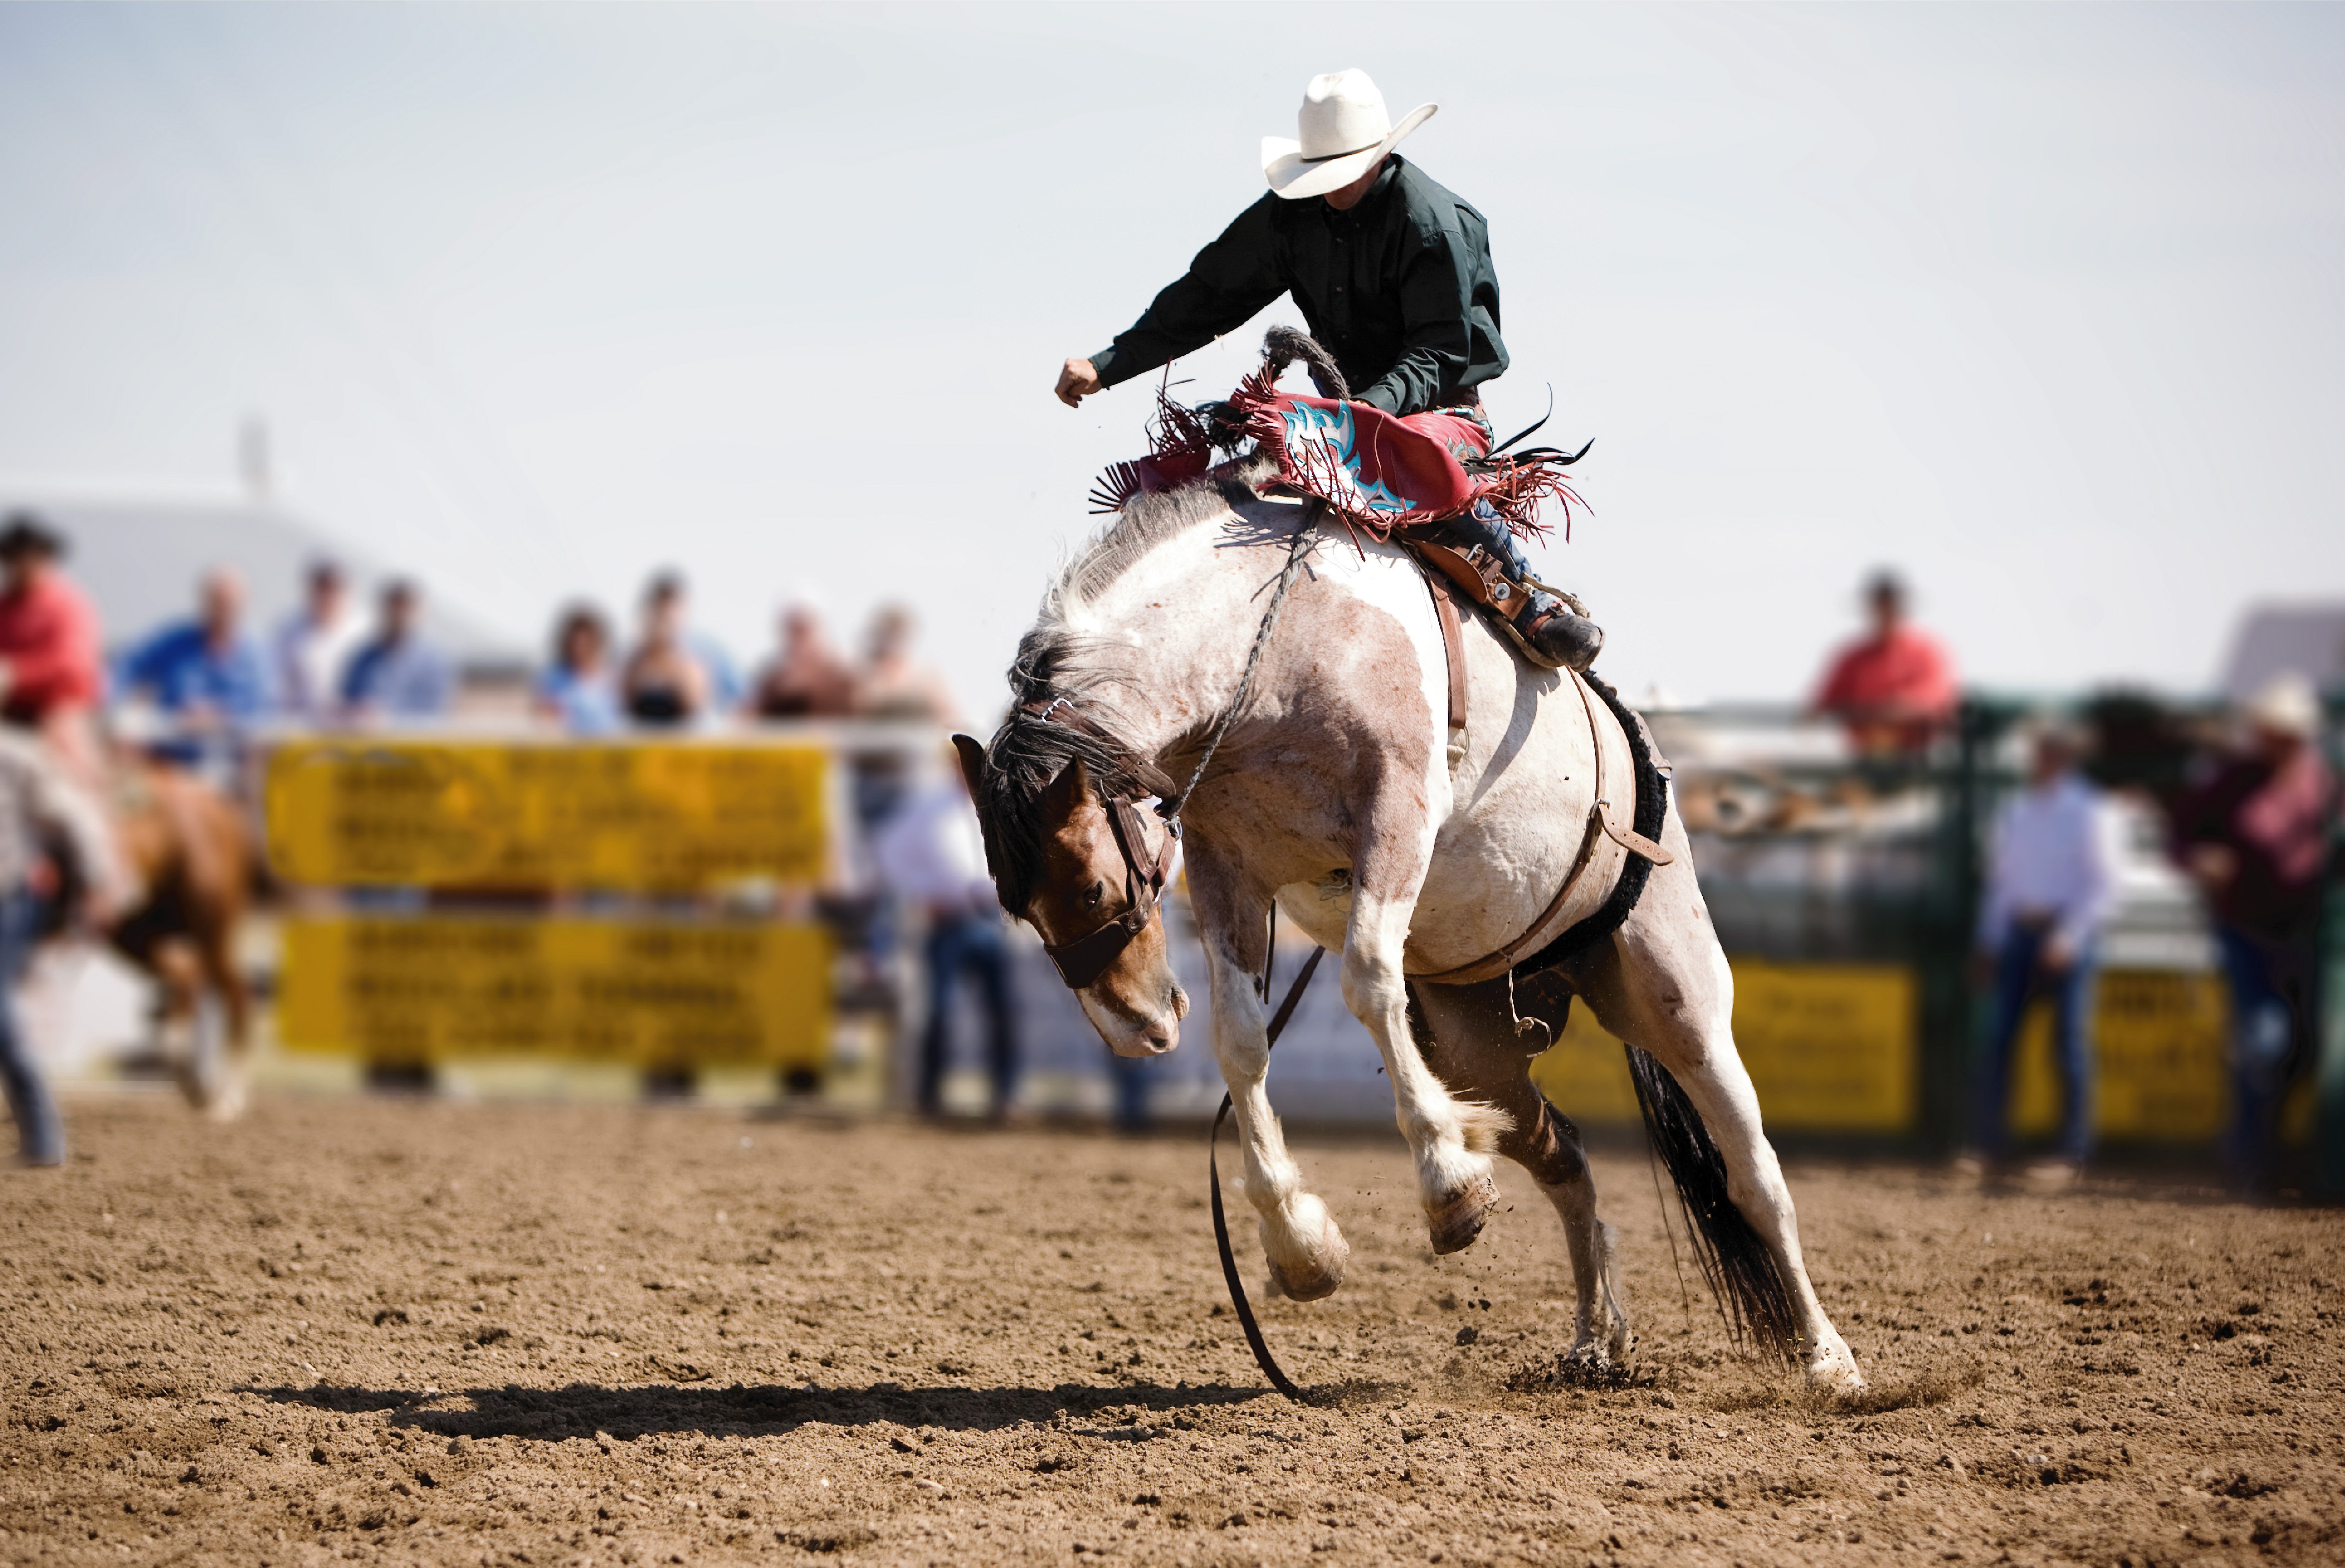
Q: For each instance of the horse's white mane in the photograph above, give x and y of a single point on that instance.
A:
(1145, 522)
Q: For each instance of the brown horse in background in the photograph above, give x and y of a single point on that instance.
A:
(190, 851)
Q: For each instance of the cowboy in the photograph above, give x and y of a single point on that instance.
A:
(51, 671)
(1394, 275)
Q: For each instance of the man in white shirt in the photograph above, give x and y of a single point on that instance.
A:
(2051, 878)
(307, 655)
(930, 855)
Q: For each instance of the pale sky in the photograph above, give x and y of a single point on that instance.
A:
(2042, 305)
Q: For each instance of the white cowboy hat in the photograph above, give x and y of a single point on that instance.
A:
(2286, 705)
(1344, 131)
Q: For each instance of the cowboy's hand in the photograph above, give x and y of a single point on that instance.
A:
(2213, 865)
(2058, 954)
(1077, 382)
(101, 910)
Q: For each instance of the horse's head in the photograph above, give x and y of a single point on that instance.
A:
(1073, 856)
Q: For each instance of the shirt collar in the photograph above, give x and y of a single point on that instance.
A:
(1359, 210)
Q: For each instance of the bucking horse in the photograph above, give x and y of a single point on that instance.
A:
(1482, 842)
(187, 855)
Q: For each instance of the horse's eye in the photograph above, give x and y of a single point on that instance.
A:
(1092, 899)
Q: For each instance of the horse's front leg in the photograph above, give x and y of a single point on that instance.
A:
(1307, 1253)
(1452, 1139)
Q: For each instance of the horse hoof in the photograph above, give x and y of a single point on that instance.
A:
(1311, 1279)
(1305, 1284)
(1456, 1223)
(1833, 1371)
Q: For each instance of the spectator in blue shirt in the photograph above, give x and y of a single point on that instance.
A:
(207, 674)
(395, 675)
(578, 691)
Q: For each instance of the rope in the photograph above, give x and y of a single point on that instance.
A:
(1297, 549)
(1261, 1356)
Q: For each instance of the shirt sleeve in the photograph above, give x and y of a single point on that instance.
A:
(1832, 694)
(1935, 690)
(68, 664)
(2097, 881)
(142, 667)
(1994, 909)
(1226, 284)
(1436, 340)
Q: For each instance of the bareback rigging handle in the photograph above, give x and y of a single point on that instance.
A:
(1261, 1356)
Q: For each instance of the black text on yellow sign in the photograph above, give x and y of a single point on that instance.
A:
(627, 816)
(430, 987)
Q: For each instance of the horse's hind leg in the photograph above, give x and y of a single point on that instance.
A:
(233, 1067)
(1663, 983)
(1471, 1045)
(176, 1016)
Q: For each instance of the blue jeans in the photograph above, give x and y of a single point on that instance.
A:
(2271, 1010)
(1134, 1078)
(1483, 526)
(2019, 977)
(974, 945)
(40, 1131)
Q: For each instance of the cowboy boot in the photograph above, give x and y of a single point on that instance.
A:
(1549, 631)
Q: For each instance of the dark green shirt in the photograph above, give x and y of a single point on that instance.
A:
(1400, 290)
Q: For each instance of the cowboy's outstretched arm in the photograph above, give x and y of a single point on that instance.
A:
(1228, 281)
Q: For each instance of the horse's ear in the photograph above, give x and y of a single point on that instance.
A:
(973, 769)
(973, 760)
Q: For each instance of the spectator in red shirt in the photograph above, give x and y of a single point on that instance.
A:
(1895, 689)
(2252, 829)
(51, 664)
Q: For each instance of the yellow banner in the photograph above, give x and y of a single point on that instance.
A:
(429, 987)
(399, 812)
(2159, 1051)
(1830, 1048)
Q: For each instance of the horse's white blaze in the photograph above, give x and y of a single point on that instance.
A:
(1127, 1037)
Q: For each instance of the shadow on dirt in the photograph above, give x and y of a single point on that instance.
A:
(589, 1410)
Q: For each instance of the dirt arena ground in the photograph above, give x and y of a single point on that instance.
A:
(544, 1335)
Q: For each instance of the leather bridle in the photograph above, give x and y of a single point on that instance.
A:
(1084, 960)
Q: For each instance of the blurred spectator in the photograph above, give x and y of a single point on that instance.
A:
(932, 855)
(577, 690)
(2051, 878)
(666, 682)
(51, 671)
(807, 677)
(207, 674)
(395, 674)
(313, 645)
(2252, 830)
(36, 799)
(892, 683)
(1894, 688)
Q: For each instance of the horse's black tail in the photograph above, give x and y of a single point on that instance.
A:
(1742, 1273)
